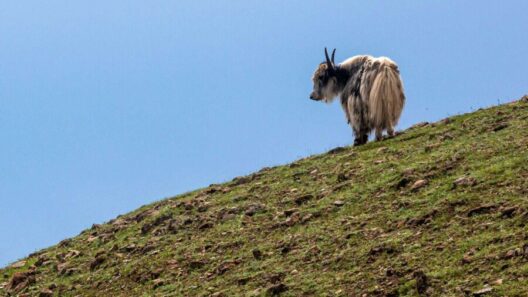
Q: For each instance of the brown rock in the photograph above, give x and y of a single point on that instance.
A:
(418, 184)
(465, 181)
(306, 218)
(418, 125)
(336, 150)
(158, 283)
(97, 262)
(20, 281)
(253, 209)
(302, 199)
(483, 209)
(483, 291)
(18, 264)
(421, 281)
(339, 203)
(276, 289)
(257, 254)
(45, 293)
(340, 186)
(500, 126)
(290, 211)
(196, 264)
(292, 220)
(508, 212)
(341, 177)
(466, 259)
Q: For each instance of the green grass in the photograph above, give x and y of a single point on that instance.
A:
(204, 243)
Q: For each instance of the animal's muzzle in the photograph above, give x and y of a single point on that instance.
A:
(314, 97)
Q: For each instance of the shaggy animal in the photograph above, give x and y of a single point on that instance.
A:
(370, 90)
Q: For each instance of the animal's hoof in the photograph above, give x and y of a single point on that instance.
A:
(358, 142)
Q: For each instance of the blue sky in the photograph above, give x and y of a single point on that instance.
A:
(109, 105)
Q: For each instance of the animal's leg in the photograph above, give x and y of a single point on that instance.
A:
(364, 138)
(379, 134)
(361, 138)
(390, 131)
(358, 137)
(358, 141)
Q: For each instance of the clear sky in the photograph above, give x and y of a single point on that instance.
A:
(109, 105)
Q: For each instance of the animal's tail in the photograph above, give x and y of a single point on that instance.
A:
(386, 97)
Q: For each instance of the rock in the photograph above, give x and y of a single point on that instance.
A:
(242, 180)
(226, 266)
(18, 264)
(466, 259)
(500, 126)
(402, 183)
(339, 203)
(497, 282)
(290, 211)
(45, 293)
(306, 218)
(158, 283)
(205, 225)
(294, 165)
(196, 264)
(340, 186)
(276, 289)
(465, 181)
(487, 289)
(418, 184)
(446, 136)
(421, 281)
(445, 121)
(408, 171)
(483, 209)
(40, 261)
(67, 242)
(418, 125)
(253, 209)
(510, 254)
(508, 212)
(72, 254)
(302, 199)
(292, 220)
(341, 177)
(20, 281)
(257, 254)
(336, 150)
(97, 262)
(382, 150)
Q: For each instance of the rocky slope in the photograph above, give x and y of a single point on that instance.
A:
(439, 210)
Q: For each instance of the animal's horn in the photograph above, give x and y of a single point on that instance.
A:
(328, 61)
(333, 54)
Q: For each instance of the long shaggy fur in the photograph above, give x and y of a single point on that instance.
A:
(370, 90)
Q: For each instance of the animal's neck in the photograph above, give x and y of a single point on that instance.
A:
(342, 76)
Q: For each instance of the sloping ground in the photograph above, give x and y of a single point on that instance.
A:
(439, 210)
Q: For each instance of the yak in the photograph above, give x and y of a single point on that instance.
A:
(370, 89)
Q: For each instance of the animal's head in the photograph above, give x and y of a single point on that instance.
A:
(324, 80)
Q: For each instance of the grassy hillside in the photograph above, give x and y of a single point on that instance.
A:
(439, 210)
